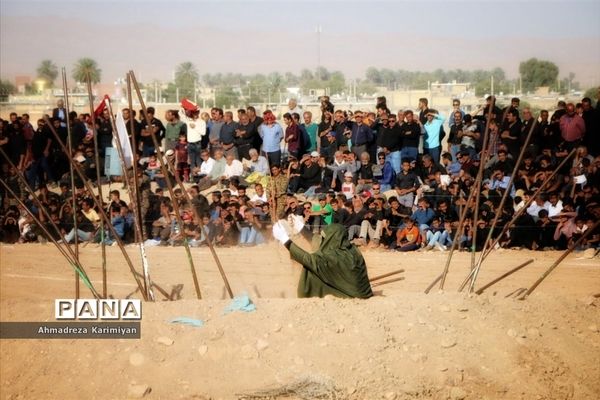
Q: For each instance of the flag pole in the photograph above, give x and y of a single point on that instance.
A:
(98, 182)
(126, 182)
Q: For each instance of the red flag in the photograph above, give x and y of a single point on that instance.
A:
(101, 106)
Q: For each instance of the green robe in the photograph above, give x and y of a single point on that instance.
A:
(337, 268)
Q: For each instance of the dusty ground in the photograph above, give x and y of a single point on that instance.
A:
(401, 344)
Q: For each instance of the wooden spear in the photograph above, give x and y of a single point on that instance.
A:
(134, 163)
(73, 194)
(482, 161)
(378, 277)
(137, 225)
(560, 259)
(74, 263)
(512, 271)
(165, 172)
(98, 204)
(501, 206)
(210, 245)
(97, 162)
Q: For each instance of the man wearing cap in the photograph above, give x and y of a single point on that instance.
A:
(196, 129)
(337, 268)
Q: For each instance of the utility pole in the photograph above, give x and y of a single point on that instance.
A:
(318, 30)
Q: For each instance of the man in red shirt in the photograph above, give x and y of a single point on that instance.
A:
(572, 127)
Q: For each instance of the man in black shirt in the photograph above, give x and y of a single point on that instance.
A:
(227, 134)
(511, 133)
(40, 151)
(423, 109)
(406, 185)
(156, 128)
(390, 138)
(410, 133)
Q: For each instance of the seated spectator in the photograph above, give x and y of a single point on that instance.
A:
(250, 230)
(348, 187)
(153, 167)
(406, 185)
(408, 238)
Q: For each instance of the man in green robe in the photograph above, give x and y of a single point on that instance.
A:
(336, 268)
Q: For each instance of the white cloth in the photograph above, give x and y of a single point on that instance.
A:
(262, 198)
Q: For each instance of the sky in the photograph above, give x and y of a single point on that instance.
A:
(152, 37)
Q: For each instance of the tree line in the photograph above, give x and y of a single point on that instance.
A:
(235, 88)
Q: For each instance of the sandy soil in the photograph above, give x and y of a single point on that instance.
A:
(401, 344)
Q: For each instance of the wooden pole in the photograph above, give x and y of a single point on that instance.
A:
(98, 204)
(388, 281)
(210, 245)
(165, 172)
(508, 273)
(559, 260)
(378, 277)
(136, 185)
(473, 192)
(69, 257)
(137, 225)
(73, 194)
(98, 182)
(501, 206)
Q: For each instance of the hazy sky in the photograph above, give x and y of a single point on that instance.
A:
(152, 37)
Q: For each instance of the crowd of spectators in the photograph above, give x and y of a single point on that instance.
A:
(395, 180)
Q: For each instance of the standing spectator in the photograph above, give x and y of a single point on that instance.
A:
(423, 109)
(312, 129)
(214, 128)
(362, 135)
(245, 136)
(293, 107)
(272, 134)
(455, 109)
(60, 113)
(39, 172)
(181, 158)
(456, 127)
(511, 132)
(195, 129)
(411, 132)
(227, 134)
(572, 127)
(292, 135)
(432, 141)
(156, 129)
(390, 140)
(173, 129)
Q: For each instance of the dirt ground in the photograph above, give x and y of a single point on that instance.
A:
(401, 344)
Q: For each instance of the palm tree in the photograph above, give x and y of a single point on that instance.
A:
(186, 76)
(84, 67)
(47, 71)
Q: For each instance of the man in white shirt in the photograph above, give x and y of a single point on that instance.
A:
(260, 195)
(536, 206)
(233, 167)
(196, 129)
(555, 206)
(207, 164)
(293, 107)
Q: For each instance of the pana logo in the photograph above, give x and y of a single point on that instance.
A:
(97, 309)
